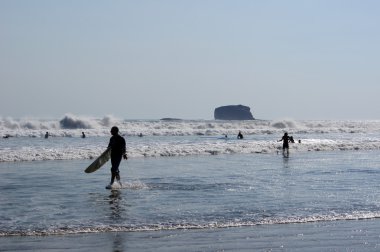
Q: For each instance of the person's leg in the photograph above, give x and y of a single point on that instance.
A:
(115, 162)
(113, 175)
(118, 178)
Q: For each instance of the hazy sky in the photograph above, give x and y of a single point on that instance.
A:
(151, 59)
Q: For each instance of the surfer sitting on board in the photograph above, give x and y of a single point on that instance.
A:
(118, 151)
(285, 144)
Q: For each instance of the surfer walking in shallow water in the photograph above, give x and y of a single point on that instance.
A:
(285, 145)
(118, 151)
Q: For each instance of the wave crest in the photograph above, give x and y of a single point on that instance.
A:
(284, 124)
(100, 127)
(73, 122)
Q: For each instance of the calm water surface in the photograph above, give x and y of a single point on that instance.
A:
(194, 192)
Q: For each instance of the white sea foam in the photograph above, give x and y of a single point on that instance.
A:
(167, 149)
(71, 124)
(78, 229)
(197, 137)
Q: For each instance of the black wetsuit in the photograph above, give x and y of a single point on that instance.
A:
(118, 149)
(285, 144)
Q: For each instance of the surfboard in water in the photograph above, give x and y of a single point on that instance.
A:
(99, 162)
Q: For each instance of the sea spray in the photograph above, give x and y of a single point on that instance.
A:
(100, 126)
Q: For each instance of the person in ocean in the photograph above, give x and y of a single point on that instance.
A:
(83, 135)
(285, 145)
(240, 135)
(47, 135)
(118, 151)
(291, 139)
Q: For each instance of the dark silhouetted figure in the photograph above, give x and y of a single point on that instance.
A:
(83, 135)
(285, 144)
(240, 135)
(47, 135)
(118, 151)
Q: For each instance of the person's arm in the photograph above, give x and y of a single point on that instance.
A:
(124, 150)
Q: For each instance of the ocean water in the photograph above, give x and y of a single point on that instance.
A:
(185, 175)
(25, 137)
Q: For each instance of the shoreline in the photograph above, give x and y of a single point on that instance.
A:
(357, 235)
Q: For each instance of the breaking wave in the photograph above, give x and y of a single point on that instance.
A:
(177, 137)
(71, 124)
(138, 150)
(74, 122)
(80, 229)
